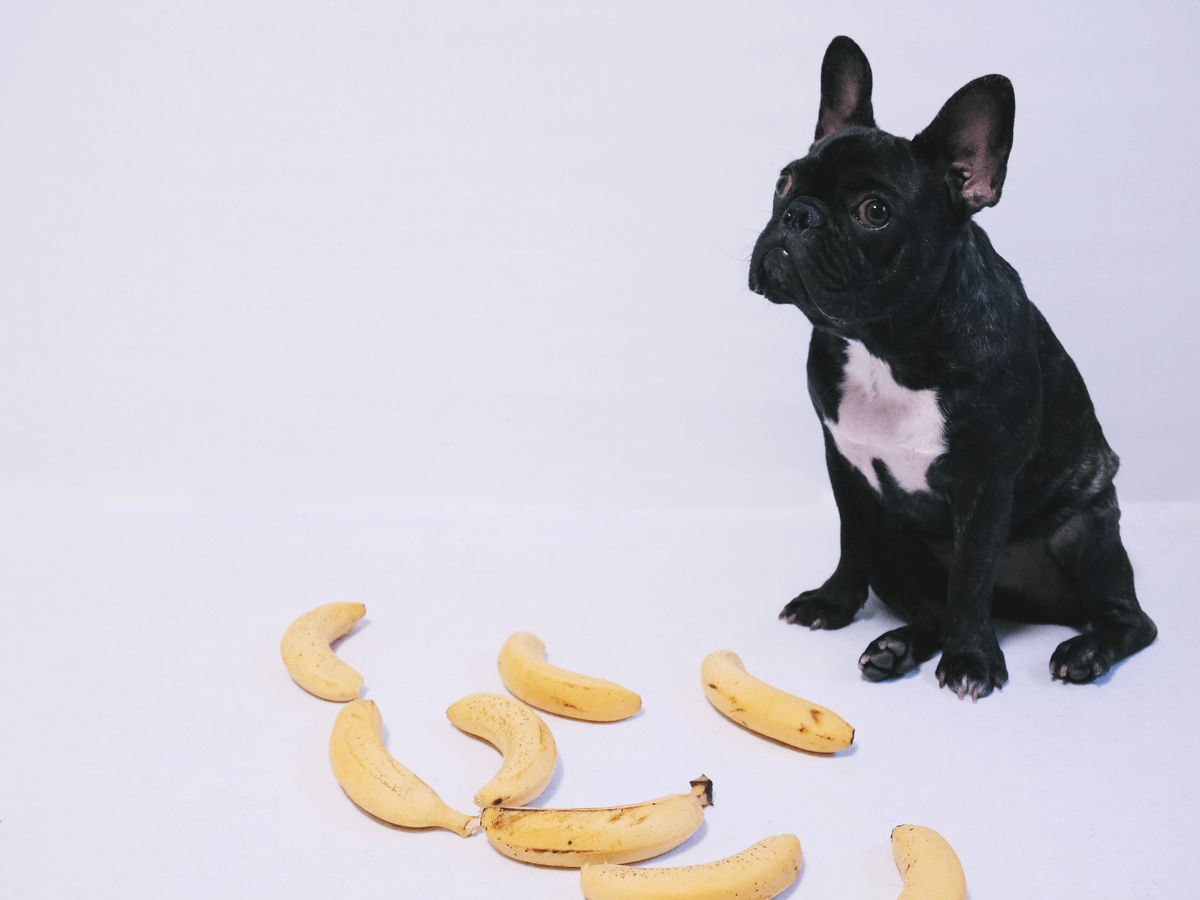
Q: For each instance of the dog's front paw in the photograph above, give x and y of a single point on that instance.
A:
(972, 674)
(1081, 659)
(829, 606)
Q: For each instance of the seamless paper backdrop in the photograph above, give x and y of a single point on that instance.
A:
(442, 308)
(277, 255)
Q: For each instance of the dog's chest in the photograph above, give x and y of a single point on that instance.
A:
(878, 419)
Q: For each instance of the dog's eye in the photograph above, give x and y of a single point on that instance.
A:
(873, 213)
(783, 185)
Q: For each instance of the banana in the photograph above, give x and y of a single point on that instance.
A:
(770, 711)
(378, 783)
(520, 735)
(757, 873)
(569, 838)
(306, 653)
(529, 677)
(928, 864)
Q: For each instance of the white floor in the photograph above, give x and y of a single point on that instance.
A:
(155, 745)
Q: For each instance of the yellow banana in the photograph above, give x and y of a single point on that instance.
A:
(768, 710)
(529, 677)
(569, 838)
(374, 780)
(306, 653)
(520, 735)
(928, 864)
(757, 873)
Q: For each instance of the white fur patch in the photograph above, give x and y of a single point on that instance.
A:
(879, 419)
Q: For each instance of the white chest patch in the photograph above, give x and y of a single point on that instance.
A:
(880, 420)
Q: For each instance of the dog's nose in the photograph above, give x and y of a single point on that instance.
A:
(801, 214)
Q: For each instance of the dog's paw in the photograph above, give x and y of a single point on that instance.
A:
(826, 607)
(972, 674)
(1081, 659)
(888, 656)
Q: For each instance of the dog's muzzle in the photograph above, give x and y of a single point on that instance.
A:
(773, 275)
(800, 215)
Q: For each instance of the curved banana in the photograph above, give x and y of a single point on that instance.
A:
(520, 735)
(306, 653)
(532, 679)
(378, 783)
(769, 711)
(757, 873)
(928, 864)
(569, 838)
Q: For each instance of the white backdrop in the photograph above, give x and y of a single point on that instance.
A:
(312, 255)
(442, 307)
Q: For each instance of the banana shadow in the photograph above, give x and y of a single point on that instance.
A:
(406, 829)
(544, 798)
(837, 754)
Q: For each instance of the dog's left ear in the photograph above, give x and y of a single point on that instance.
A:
(971, 138)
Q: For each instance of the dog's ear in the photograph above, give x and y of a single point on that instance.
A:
(845, 88)
(971, 138)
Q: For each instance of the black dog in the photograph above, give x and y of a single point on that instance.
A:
(971, 476)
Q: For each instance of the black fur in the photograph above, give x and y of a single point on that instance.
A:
(1020, 518)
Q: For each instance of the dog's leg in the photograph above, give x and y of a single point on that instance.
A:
(1088, 548)
(834, 603)
(909, 579)
(972, 663)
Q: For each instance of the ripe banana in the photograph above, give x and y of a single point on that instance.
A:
(757, 873)
(520, 735)
(306, 653)
(532, 679)
(569, 838)
(770, 711)
(378, 783)
(928, 864)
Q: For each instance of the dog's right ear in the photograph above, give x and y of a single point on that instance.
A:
(845, 88)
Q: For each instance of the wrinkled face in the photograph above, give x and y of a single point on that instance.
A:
(860, 230)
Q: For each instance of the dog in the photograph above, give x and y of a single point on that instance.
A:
(971, 475)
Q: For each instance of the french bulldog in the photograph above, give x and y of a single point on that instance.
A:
(971, 475)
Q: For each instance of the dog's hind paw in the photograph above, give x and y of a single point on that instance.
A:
(888, 656)
(1081, 659)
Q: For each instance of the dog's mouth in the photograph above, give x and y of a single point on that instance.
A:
(775, 277)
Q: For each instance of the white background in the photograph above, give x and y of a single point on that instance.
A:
(444, 309)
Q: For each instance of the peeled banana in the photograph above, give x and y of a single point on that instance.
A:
(569, 838)
(770, 711)
(524, 672)
(374, 780)
(757, 873)
(520, 735)
(306, 653)
(928, 864)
